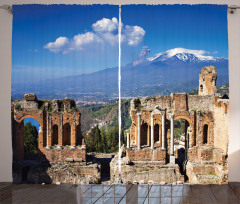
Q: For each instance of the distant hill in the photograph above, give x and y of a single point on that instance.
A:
(175, 70)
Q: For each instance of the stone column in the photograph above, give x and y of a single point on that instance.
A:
(163, 130)
(73, 131)
(172, 157)
(60, 130)
(73, 134)
(139, 130)
(49, 131)
(128, 140)
(152, 130)
(40, 137)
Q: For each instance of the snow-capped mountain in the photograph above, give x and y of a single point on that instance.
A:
(174, 70)
(184, 55)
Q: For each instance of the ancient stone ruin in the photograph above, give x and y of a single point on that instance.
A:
(62, 151)
(149, 155)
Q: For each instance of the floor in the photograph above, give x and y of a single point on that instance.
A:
(65, 193)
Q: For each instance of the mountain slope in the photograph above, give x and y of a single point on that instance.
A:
(175, 70)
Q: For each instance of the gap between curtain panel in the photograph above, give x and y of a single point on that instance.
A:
(119, 94)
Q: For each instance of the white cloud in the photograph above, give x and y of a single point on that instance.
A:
(106, 25)
(79, 42)
(105, 31)
(60, 44)
(134, 34)
(82, 40)
(110, 38)
(215, 52)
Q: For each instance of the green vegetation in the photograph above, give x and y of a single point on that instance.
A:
(194, 92)
(41, 104)
(138, 104)
(18, 107)
(50, 108)
(108, 114)
(179, 128)
(103, 140)
(30, 138)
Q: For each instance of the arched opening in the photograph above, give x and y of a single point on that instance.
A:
(30, 141)
(205, 134)
(66, 134)
(201, 88)
(156, 133)
(78, 135)
(181, 134)
(55, 134)
(144, 134)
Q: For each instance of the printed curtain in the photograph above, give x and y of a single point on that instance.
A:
(170, 64)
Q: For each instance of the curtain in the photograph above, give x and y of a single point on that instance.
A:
(174, 102)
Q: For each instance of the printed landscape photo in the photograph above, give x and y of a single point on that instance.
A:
(174, 87)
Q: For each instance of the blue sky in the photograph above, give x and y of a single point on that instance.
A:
(33, 122)
(63, 40)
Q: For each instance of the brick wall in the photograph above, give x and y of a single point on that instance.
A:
(55, 155)
(146, 154)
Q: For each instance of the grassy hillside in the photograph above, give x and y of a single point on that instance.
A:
(104, 114)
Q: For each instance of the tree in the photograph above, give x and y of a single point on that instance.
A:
(30, 138)
(104, 140)
(93, 140)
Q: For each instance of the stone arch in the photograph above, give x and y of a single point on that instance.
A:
(144, 133)
(185, 118)
(66, 134)
(18, 133)
(205, 133)
(55, 134)
(30, 116)
(192, 137)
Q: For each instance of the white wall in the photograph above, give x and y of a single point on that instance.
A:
(5, 76)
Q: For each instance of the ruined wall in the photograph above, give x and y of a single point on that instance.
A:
(59, 124)
(146, 154)
(207, 165)
(201, 103)
(221, 115)
(207, 80)
(206, 154)
(197, 110)
(59, 154)
(147, 173)
(63, 172)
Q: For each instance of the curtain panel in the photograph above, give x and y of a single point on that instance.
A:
(144, 101)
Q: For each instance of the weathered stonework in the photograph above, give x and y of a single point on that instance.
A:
(63, 172)
(59, 123)
(62, 156)
(146, 154)
(207, 81)
(206, 133)
(143, 171)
